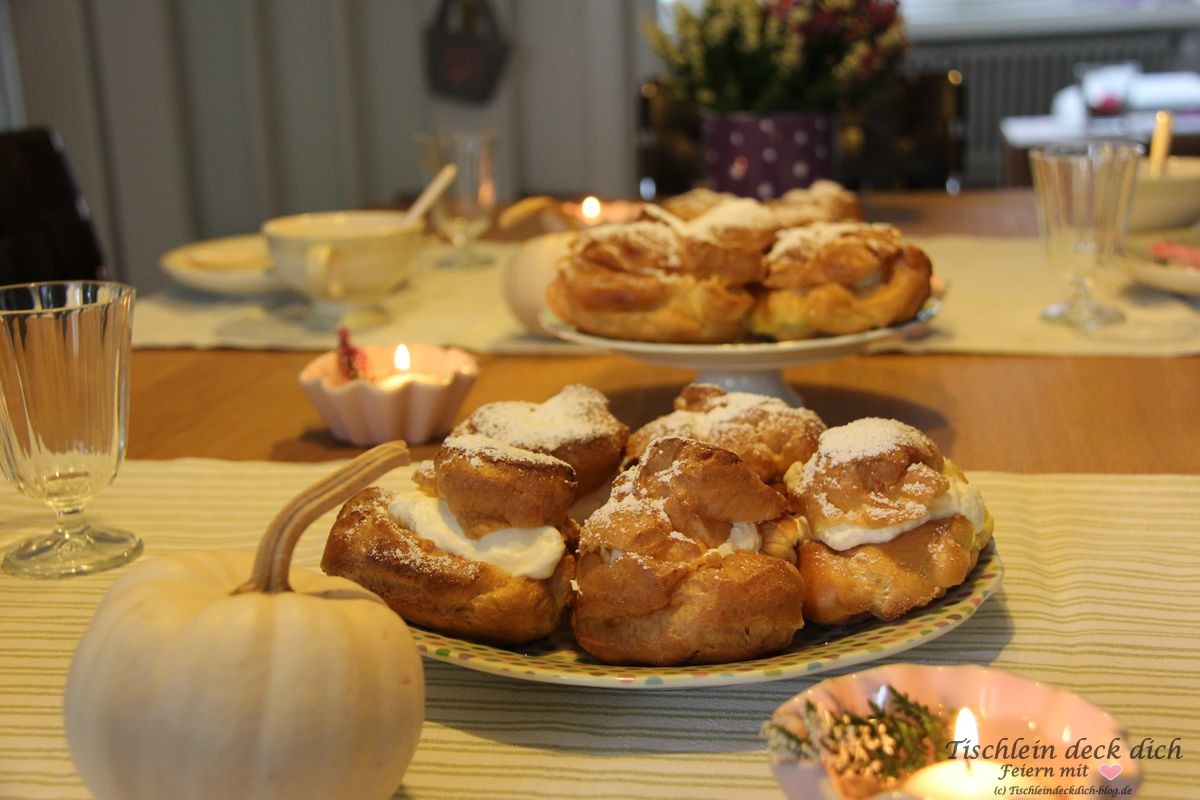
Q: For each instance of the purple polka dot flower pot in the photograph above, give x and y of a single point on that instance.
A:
(765, 155)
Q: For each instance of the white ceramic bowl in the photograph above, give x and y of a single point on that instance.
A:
(1170, 201)
(343, 258)
(1004, 704)
(365, 412)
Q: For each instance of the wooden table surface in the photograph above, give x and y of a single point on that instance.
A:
(1013, 413)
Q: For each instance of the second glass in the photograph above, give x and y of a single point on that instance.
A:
(1083, 195)
(465, 211)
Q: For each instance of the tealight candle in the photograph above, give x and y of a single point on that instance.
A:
(962, 778)
(592, 211)
(410, 392)
(403, 374)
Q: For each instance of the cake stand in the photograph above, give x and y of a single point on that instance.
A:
(747, 366)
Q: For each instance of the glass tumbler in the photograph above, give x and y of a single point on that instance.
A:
(1083, 195)
(464, 212)
(64, 411)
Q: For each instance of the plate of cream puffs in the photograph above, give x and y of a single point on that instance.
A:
(710, 269)
(735, 539)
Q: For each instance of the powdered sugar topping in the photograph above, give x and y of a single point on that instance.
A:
(726, 413)
(652, 237)
(575, 414)
(478, 447)
(802, 242)
(731, 215)
(867, 438)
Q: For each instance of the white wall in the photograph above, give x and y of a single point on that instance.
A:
(187, 120)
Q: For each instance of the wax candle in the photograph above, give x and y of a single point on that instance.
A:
(403, 374)
(962, 778)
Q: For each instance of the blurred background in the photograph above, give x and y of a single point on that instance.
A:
(192, 119)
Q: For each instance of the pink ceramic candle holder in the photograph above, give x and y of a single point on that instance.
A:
(416, 403)
(1010, 711)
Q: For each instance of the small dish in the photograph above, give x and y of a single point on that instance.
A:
(1144, 268)
(1005, 705)
(235, 265)
(1168, 201)
(415, 404)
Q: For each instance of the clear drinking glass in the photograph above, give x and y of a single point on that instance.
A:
(64, 411)
(465, 210)
(1083, 194)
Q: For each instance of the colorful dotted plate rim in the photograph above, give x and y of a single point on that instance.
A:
(735, 350)
(816, 649)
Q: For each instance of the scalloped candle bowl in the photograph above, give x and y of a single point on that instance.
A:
(1004, 704)
(416, 409)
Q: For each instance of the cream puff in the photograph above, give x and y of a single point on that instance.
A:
(891, 524)
(765, 432)
(574, 426)
(478, 548)
(690, 561)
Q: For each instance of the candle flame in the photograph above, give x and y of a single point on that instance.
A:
(965, 727)
(591, 208)
(402, 359)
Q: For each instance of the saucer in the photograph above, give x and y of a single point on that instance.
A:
(235, 265)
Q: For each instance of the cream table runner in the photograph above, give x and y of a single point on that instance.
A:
(997, 288)
(1100, 595)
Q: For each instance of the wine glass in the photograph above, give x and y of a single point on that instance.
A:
(64, 411)
(1083, 195)
(465, 210)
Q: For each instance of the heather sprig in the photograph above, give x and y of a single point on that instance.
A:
(888, 743)
(781, 55)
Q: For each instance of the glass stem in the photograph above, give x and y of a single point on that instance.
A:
(71, 522)
(1081, 298)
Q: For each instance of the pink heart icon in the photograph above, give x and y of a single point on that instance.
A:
(1110, 771)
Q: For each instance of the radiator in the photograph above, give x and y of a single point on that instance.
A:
(1021, 77)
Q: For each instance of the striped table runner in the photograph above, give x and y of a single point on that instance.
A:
(1100, 595)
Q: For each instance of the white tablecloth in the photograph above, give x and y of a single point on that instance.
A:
(1100, 596)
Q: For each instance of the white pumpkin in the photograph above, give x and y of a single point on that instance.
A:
(530, 272)
(193, 683)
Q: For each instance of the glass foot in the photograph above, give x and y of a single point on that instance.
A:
(464, 259)
(1087, 315)
(55, 555)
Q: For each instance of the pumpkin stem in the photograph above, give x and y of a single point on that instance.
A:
(274, 557)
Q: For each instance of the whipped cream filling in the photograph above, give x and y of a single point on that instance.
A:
(742, 536)
(521, 552)
(961, 498)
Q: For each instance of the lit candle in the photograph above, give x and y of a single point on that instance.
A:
(591, 208)
(962, 778)
(403, 374)
(591, 211)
